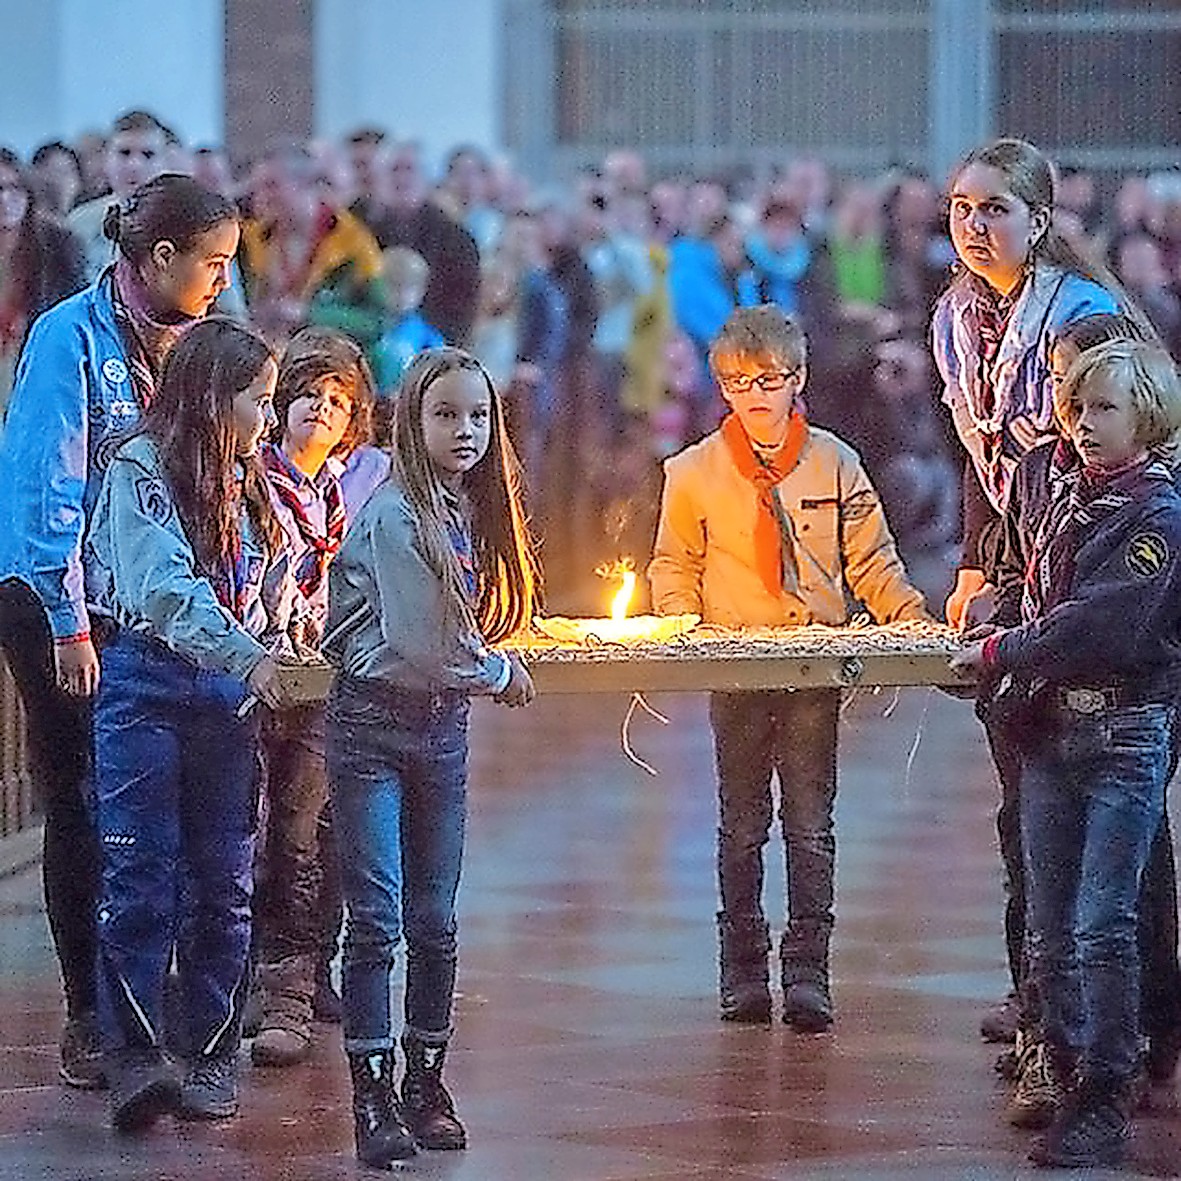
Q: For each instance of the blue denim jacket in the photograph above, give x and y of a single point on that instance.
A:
(385, 610)
(72, 395)
(142, 573)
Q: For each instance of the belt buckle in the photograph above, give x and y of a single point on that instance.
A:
(1085, 701)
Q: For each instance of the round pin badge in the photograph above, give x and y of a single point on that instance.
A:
(114, 371)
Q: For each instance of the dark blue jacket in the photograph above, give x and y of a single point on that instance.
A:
(1119, 625)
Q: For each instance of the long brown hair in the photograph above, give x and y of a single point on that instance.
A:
(506, 566)
(190, 419)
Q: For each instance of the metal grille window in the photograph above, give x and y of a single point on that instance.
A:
(701, 83)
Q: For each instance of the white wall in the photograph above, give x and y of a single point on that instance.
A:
(423, 69)
(72, 65)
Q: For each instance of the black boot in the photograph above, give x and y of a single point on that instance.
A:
(143, 1088)
(382, 1137)
(803, 969)
(743, 989)
(426, 1104)
(1091, 1128)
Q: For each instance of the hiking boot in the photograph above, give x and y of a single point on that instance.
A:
(1040, 1087)
(210, 1087)
(326, 1003)
(1091, 1129)
(807, 1006)
(82, 1053)
(427, 1105)
(143, 1088)
(999, 1024)
(284, 1035)
(744, 993)
(382, 1135)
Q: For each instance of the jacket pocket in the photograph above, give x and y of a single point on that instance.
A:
(817, 527)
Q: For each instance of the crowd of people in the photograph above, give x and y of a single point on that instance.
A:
(593, 305)
(318, 408)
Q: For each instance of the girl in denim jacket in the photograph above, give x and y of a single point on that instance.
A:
(436, 566)
(184, 561)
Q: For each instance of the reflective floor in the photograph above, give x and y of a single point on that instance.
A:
(587, 1045)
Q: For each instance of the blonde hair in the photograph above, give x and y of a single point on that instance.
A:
(1148, 373)
(764, 331)
(506, 567)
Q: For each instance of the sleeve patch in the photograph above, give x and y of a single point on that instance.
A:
(1147, 554)
(155, 502)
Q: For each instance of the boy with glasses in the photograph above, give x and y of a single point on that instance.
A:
(769, 521)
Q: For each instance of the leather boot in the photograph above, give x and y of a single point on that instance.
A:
(807, 993)
(285, 1030)
(744, 993)
(426, 1103)
(382, 1137)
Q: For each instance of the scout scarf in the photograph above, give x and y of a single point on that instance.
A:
(323, 547)
(774, 540)
(992, 339)
(1080, 498)
(147, 339)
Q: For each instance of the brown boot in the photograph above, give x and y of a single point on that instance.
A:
(285, 1034)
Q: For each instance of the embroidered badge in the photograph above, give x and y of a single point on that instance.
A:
(154, 501)
(1147, 554)
(114, 371)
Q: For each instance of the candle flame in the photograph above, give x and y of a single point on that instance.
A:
(623, 596)
(625, 571)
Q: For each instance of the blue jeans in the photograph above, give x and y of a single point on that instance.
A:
(1092, 801)
(175, 790)
(397, 762)
(794, 736)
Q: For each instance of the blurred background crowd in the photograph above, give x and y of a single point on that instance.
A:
(591, 304)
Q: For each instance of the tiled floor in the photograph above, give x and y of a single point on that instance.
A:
(587, 1045)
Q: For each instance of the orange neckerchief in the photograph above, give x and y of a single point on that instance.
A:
(764, 472)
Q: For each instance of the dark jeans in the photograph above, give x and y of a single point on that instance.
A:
(1092, 801)
(290, 871)
(176, 791)
(397, 761)
(793, 735)
(1160, 973)
(59, 745)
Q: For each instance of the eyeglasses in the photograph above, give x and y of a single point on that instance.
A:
(742, 383)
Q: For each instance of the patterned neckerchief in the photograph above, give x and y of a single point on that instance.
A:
(147, 339)
(286, 479)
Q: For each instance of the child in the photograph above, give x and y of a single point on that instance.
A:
(1086, 683)
(436, 563)
(324, 402)
(181, 562)
(769, 521)
(406, 333)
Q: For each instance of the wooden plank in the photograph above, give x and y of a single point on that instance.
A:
(600, 673)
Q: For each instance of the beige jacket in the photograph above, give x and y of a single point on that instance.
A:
(704, 560)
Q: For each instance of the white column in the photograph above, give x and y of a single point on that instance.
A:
(962, 70)
(421, 69)
(72, 65)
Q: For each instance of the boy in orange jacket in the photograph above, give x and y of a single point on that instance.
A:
(769, 521)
